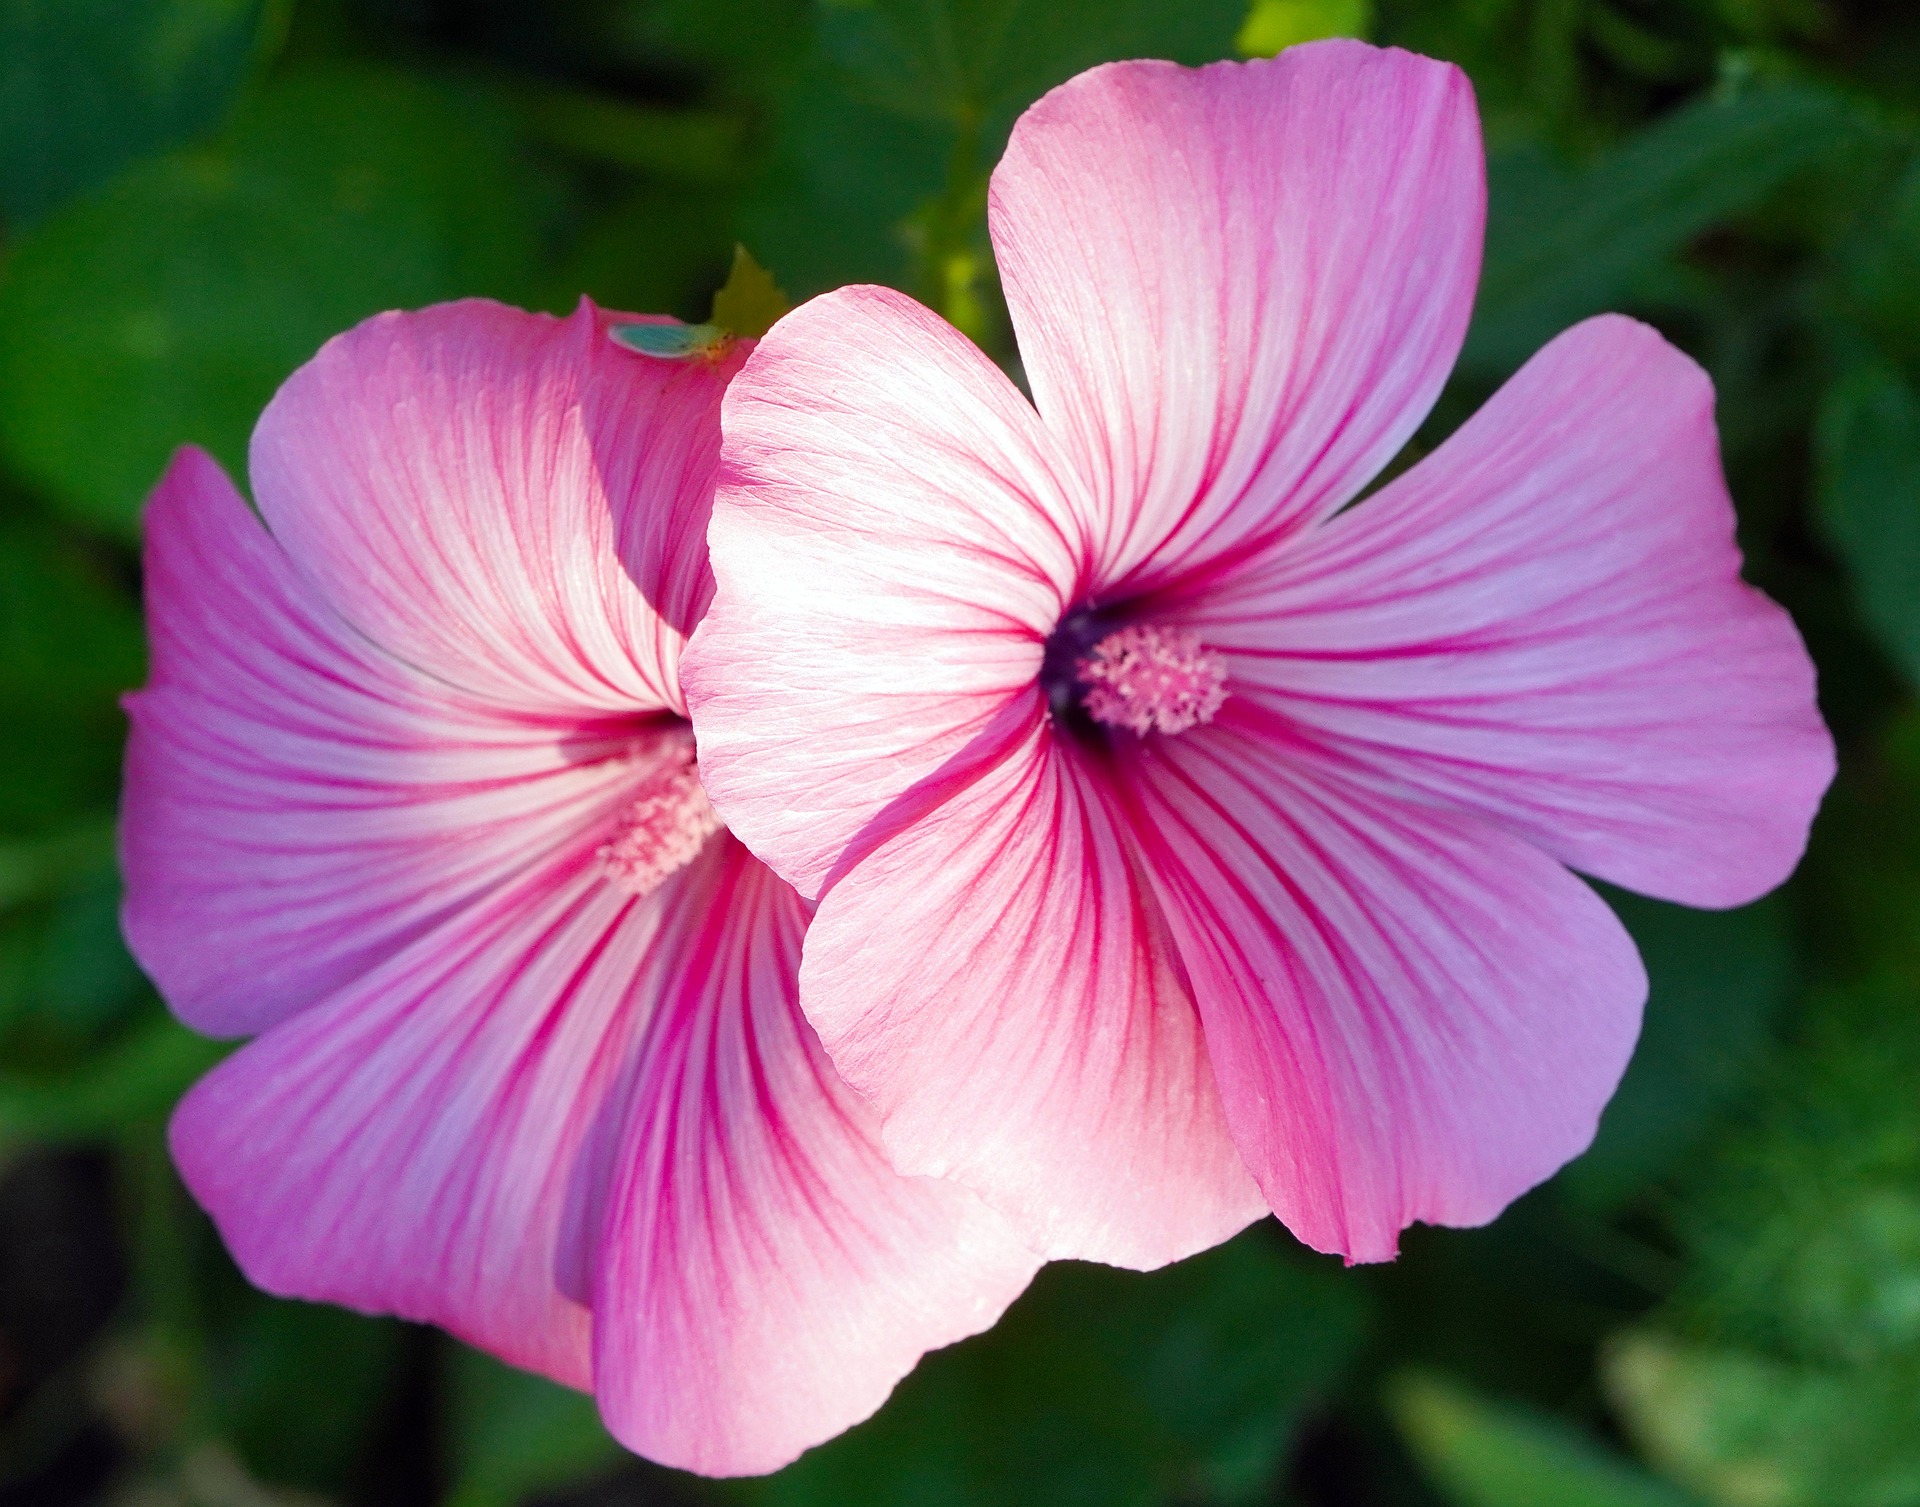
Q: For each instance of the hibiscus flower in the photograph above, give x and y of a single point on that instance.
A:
(412, 795)
(1190, 838)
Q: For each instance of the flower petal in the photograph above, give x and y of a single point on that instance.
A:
(763, 1276)
(463, 485)
(404, 1146)
(1239, 289)
(1544, 622)
(892, 545)
(994, 977)
(299, 805)
(1412, 1015)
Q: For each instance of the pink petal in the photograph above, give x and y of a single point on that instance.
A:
(405, 1146)
(1543, 622)
(995, 978)
(299, 805)
(1412, 1015)
(570, 1082)
(763, 1277)
(1239, 289)
(463, 484)
(893, 542)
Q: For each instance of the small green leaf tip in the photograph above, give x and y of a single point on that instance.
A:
(1274, 25)
(673, 342)
(751, 300)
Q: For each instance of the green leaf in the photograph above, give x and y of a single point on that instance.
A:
(659, 249)
(973, 63)
(1770, 19)
(1107, 1388)
(300, 1389)
(751, 300)
(1638, 49)
(1745, 1430)
(87, 978)
(1804, 1233)
(1275, 25)
(136, 1080)
(1878, 271)
(884, 140)
(1562, 246)
(1798, 1381)
(1485, 1454)
(678, 144)
(169, 307)
(1862, 873)
(1868, 444)
(70, 644)
(515, 1434)
(832, 200)
(735, 38)
(33, 870)
(86, 86)
(1719, 980)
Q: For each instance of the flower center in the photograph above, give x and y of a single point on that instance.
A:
(663, 829)
(1142, 677)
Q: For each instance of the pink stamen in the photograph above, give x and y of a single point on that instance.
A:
(1151, 679)
(663, 830)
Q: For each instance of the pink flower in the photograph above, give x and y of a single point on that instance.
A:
(411, 793)
(1187, 842)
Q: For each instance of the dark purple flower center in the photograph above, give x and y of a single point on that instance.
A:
(1141, 677)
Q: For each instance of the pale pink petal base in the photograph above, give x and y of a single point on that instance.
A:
(995, 977)
(892, 545)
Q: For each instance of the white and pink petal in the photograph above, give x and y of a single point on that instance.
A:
(1543, 623)
(591, 1133)
(510, 502)
(760, 1276)
(893, 540)
(1238, 289)
(300, 806)
(994, 976)
(406, 1146)
(1412, 1015)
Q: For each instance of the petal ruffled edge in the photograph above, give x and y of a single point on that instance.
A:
(764, 1277)
(1412, 1015)
(1543, 623)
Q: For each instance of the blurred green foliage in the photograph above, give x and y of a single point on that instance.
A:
(1491, 1455)
(1105, 1389)
(174, 301)
(1719, 1305)
(88, 86)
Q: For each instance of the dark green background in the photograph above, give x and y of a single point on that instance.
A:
(1720, 1304)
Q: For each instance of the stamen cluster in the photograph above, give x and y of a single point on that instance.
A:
(661, 831)
(1146, 678)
